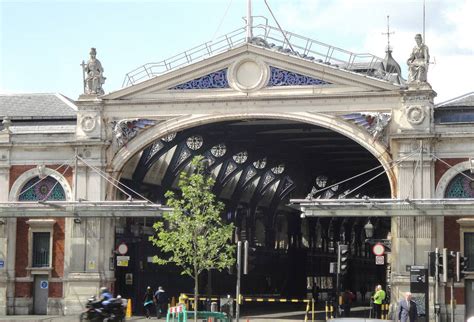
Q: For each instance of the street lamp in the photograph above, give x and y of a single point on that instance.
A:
(369, 229)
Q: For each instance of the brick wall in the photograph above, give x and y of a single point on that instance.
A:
(451, 230)
(55, 289)
(24, 289)
(21, 256)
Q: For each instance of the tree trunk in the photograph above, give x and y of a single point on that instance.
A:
(196, 290)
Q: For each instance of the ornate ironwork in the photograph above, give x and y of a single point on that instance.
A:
(219, 150)
(278, 169)
(157, 146)
(48, 189)
(168, 138)
(240, 157)
(260, 164)
(461, 186)
(213, 80)
(281, 77)
(194, 142)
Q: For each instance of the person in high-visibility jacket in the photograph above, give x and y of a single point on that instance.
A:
(378, 297)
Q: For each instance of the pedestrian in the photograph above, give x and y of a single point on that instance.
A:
(378, 298)
(347, 298)
(148, 302)
(363, 292)
(161, 299)
(407, 311)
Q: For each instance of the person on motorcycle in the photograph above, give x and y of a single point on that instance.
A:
(105, 297)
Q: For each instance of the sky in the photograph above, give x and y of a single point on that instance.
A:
(42, 43)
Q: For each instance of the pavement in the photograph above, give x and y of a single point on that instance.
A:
(288, 316)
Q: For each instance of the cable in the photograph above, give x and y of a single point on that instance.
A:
(41, 179)
(54, 186)
(279, 27)
(413, 179)
(222, 20)
(365, 172)
(111, 179)
(451, 166)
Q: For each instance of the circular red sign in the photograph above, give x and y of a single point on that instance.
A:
(122, 249)
(378, 249)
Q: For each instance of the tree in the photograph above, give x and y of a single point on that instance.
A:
(193, 235)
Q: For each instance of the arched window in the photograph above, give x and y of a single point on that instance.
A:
(47, 189)
(461, 186)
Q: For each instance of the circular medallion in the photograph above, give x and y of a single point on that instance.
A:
(248, 74)
(415, 114)
(219, 150)
(88, 123)
(194, 142)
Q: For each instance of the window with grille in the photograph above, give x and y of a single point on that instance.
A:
(469, 250)
(41, 249)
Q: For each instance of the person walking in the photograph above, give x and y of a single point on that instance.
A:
(161, 302)
(378, 297)
(407, 311)
(148, 302)
(347, 298)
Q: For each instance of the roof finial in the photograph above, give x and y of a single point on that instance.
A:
(388, 33)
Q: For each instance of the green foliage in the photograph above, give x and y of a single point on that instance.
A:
(193, 236)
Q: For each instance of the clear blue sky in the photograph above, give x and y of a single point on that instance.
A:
(42, 43)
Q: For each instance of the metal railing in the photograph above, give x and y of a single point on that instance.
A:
(271, 38)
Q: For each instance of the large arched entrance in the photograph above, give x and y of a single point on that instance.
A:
(259, 164)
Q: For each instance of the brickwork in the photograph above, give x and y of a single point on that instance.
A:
(55, 289)
(58, 248)
(441, 168)
(23, 289)
(451, 229)
(21, 256)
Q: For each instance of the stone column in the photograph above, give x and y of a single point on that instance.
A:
(7, 258)
(412, 238)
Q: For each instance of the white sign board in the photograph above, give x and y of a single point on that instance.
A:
(379, 260)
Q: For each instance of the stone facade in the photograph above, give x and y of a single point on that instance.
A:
(161, 106)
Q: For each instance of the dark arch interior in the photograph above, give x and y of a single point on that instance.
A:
(258, 166)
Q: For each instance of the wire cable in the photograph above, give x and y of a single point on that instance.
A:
(111, 180)
(222, 20)
(41, 179)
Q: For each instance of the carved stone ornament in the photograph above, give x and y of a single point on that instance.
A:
(125, 130)
(88, 123)
(415, 114)
(374, 123)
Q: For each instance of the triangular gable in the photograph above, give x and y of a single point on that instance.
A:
(278, 77)
(284, 70)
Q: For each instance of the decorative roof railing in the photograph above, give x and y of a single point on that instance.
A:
(269, 37)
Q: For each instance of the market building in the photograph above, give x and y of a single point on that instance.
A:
(306, 148)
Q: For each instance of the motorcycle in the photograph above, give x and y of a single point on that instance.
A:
(96, 312)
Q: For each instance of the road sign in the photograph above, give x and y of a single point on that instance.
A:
(379, 260)
(44, 284)
(378, 249)
(122, 261)
(2, 263)
(122, 249)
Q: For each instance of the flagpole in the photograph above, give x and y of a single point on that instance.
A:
(249, 20)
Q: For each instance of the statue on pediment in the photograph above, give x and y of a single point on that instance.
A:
(93, 75)
(418, 62)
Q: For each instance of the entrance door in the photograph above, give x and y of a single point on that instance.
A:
(40, 297)
(469, 289)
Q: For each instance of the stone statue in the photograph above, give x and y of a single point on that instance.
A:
(93, 78)
(418, 62)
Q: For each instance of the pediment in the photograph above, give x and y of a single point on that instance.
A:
(250, 70)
